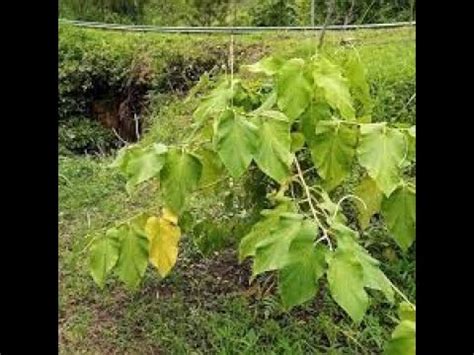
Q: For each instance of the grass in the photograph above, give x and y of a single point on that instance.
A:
(206, 306)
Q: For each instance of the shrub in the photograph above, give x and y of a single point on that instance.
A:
(81, 135)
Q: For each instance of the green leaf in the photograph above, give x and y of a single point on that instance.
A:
(121, 161)
(297, 141)
(374, 278)
(268, 104)
(330, 207)
(273, 154)
(406, 312)
(403, 340)
(411, 137)
(145, 164)
(272, 250)
(346, 282)
(103, 256)
(216, 102)
(368, 191)
(269, 222)
(133, 258)
(305, 266)
(333, 150)
(294, 88)
(180, 176)
(351, 269)
(309, 120)
(235, 141)
(202, 84)
(328, 78)
(268, 66)
(381, 151)
(243, 97)
(140, 164)
(399, 212)
(212, 167)
(356, 74)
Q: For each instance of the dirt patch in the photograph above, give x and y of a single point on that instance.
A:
(206, 280)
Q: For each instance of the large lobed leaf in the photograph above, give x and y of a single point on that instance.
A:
(164, 235)
(215, 103)
(351, 269)
(346, 282)
(304, 267)
(103, 255)
(333, 150)
(268, 66)
(268, 223)
(235, 140)
(212, 167)
(403, 341)
(133, 258)
(140, 164)
(381, 151)
(273, 155)
(272, 250)
(180, 176)
(294, 88)
(399, 211)
(285, 241)
(355, 72)
(328, 78)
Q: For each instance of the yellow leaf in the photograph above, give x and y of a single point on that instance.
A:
(152, 228)
(169, 216)
(164, 237)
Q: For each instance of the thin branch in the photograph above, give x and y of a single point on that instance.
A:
(402, 295)
(338, 206)
(331, 6)
(410, 100)
(348, 17)
(412, 97)
(212, 184)
(311, 206)
(309, 169)
(120, 138)
(137, 130)
(362, 18)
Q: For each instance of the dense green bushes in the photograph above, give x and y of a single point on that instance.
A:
(80, 135)
(108, 77)
(245, 12)
(89, 67)
(97, 67)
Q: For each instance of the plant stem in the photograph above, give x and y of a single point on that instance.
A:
(310, 203)
(402, 295)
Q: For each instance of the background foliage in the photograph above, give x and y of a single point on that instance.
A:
(246, 12)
